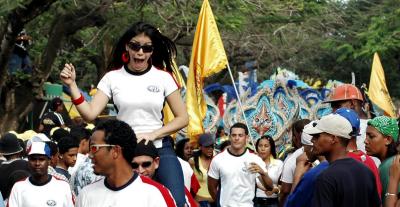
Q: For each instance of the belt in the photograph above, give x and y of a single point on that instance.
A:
(265, 201)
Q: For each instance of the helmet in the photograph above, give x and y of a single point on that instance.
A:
(345, 92)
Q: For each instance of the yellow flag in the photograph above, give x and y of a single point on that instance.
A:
(208, 57)
(167, 112)
(378, 92)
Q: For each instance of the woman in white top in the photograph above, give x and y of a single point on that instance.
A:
(265, 147)
(139, 83)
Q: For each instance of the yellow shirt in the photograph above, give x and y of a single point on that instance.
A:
(202, 178)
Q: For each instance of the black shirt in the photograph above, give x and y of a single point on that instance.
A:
(50, 120)
(346, 182)
(7, 172)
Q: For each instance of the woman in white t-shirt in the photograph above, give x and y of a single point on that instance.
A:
(139, 83)
(265, 147)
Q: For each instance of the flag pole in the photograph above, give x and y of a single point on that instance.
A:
(240, 104)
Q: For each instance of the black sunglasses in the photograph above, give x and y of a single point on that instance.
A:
(136, 47)
(143, 164)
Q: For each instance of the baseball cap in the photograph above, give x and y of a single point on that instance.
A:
(206, 140)
(306, 138)
(352, 117)
(146, 149)
(39, 148)
(40, 137)
(9, 144)
(332, 124)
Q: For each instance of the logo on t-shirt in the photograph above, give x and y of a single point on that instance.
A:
(153, 88)
(48, 121)
(51, 203)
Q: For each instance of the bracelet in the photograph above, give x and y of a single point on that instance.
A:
(79, 100)
(390, 194)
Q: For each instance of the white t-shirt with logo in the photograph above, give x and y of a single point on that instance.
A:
(289, 166)
(139, 98)
(139, 191)
(56, 193)
(237, 183)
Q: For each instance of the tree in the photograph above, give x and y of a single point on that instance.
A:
(18, 98)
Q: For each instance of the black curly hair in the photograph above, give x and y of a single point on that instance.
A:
(119, 133)
(66, 143)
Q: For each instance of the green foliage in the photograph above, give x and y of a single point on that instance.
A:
(323, 38)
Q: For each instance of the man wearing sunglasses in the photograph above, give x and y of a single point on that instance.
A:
(146, 161)
(112, 147)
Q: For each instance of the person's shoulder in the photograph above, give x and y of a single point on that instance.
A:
(153, 188)
(185, 164)
(161, 73)
(252, 155)
(93, 186)
(157, 191)
(114, 72)
(278, 162)
(149, 183)
(221, 155)
(21, 182)
(387, 162)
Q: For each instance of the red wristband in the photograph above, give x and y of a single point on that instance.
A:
(79, 100)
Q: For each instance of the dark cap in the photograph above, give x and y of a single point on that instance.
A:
(9, 144)
(55, 103)
(206, 140)
(147, 150)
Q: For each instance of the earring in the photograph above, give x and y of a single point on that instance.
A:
(125, 57)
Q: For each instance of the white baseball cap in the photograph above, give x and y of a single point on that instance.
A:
(39, 148)
(332, 124)
(37, 138)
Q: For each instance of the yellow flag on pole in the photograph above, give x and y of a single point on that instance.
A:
(208, 57)
(167, 112)
(378, 92)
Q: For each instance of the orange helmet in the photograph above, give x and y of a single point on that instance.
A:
(345, 92)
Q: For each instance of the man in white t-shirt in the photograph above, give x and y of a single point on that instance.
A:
(289, 165)
(112, 147)
(40, 189)
(237, 170)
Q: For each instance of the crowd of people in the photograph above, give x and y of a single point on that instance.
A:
(341, 159)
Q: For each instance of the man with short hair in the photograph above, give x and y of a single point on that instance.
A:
(12, 151)
(82, 136)
(236, 169)
(112, 148)
(289, 165)
(346, 182)
(68, 148)
(305, 174)
(349, 96)
(146, 161)
(40, 189)
(352, 150)
(54, 158)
